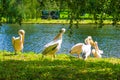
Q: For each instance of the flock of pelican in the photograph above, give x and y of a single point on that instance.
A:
(54, 46)
(85, 49)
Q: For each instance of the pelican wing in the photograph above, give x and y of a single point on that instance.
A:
(76, 48)
(17, 44)
(49, 49)
(50, 44)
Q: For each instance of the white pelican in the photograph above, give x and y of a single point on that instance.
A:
(97, 52)
(85, 49)
(53, 47)
(18, 42)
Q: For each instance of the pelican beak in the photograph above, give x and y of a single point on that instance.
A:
(62, 30)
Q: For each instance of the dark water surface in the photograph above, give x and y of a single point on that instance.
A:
(37, 35)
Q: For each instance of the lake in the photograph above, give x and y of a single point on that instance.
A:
(37, 35)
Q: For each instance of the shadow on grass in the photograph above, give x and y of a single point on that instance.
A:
(72, 69)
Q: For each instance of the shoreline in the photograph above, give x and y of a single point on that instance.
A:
(61, 21)
(39, 21)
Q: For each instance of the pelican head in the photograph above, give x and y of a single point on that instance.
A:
(62, 30)
(90, 40)
(21, 32)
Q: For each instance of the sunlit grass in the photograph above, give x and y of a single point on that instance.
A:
(29, 66)
(64, 21)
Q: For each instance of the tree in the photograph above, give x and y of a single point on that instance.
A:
(17, 10)
(114, 11)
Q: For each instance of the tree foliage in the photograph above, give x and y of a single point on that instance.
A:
(17, 10)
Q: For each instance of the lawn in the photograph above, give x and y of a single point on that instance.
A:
(63, 21)
(29, 66)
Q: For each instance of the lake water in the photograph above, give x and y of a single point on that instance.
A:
(37, 35)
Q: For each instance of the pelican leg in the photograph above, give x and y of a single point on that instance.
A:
(83, 56)
(42, 57)
(78, 55)
(54, 56)
(15, 52)
(22, 50)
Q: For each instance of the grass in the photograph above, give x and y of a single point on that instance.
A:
(63, 21)
(29, 66)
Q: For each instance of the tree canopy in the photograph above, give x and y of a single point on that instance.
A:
(17, 10)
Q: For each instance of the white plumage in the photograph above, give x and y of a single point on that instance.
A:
(85, 49)
(54, 46)
(18, 42)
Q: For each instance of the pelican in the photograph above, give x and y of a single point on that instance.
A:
(97, 52)
(53, 47)
(85, 49)
(18, 42)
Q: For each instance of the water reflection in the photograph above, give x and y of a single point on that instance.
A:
(37, 35)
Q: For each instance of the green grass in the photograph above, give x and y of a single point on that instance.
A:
(63, 21)
(29, 66)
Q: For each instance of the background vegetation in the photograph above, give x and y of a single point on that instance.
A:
(18, 10)
(29, 66)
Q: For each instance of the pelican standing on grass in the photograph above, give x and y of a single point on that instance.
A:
(54, 46)
(18, 42)
(97, 53)
(85, 49)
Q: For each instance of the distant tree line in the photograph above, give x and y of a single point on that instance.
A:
(17, 10)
